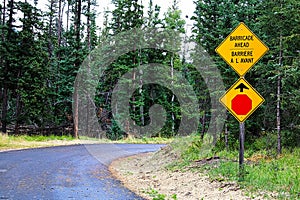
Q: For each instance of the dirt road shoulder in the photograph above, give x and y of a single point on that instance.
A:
(146, 175)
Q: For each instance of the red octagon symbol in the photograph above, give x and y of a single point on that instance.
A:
(241, 104)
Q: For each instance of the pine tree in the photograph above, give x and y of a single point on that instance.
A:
(173, 21)
(279, 23)
(8, 53)
(31, 69)
(153, 19)
(126, 16)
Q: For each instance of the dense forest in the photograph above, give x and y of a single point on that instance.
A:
(42, 51)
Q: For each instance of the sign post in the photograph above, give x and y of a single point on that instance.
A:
(241, 151)
(241, 50)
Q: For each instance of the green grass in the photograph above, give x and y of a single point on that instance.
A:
(155, 195)
(263, 171)
(280, 175)
(25, 141)
(41, 138)
(145, 140)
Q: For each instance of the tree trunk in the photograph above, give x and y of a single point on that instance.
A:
(68, 16)
(279, 99)
(203, 126)
(173, 96)
(88, 24)
(133, 83)
(77, 65)
(278, 116)
(133, 98)
(50, 44)
(77, 24)
(18, 111)
(60, 11)
(75, 110)
(4, 109)
(4, 11)
(7, 66)
(226, 137)
(141, 89)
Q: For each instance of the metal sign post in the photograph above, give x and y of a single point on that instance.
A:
(241, 151)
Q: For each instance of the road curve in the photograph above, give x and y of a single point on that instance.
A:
(66, 172)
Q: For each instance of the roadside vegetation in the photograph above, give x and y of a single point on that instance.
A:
(155, 195)
(266, 173)
(10, 142)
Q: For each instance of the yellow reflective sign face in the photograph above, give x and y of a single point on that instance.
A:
(241, 100)
(241, 49)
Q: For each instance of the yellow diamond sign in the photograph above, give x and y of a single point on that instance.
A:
(241, 100)
(241, 49)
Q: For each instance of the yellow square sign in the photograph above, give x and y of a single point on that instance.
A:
(241, 49)
(241, 100)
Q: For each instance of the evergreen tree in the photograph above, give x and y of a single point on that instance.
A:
(153, 19)
(280, 23)
(126, 15)
(8, 45)
(31, 70)
(173, 21)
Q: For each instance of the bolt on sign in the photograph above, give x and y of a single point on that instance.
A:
(241, 49)
(241, 100)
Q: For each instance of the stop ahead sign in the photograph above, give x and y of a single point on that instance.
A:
(241, 100)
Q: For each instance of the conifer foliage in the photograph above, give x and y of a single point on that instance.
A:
(41, 51)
